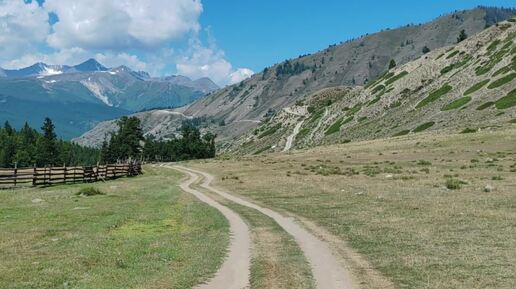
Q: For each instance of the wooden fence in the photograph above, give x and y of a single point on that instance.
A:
(66, 175)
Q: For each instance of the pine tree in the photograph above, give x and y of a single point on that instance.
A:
(426, 49)
(462, 36)
(392, 64)
(47, 146)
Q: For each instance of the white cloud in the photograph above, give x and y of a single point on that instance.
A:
(123, 24)
(201, 61)
(240, 74)
(22, 25)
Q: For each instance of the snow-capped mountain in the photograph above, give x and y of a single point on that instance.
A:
(79, 96)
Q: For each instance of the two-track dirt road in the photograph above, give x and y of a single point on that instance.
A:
(327, 271)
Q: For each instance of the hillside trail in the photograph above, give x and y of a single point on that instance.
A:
(235, 271)
(292, 137)
(319, 124)
(328, 272)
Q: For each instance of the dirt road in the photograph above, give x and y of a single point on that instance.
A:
(328, 272)
(234, 273)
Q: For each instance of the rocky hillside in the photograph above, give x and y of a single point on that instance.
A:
(236, 109)
(461, 88)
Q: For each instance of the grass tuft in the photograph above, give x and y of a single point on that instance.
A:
(485, 105)
(403, 132)
(476, 87)
(89, 191)
(435, 95)
(501, 81)
(457, 103)
(507, 101)
(424, 126)
(396, 78)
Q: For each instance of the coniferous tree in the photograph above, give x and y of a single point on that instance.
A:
(392, 64)
(462, 36)
(47, 146)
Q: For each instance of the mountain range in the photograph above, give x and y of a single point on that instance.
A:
(235, 111)
(78, 97)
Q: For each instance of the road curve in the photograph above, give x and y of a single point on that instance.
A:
(235, 271)
(327, 271)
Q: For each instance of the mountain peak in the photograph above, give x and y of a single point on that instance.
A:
(90, 65)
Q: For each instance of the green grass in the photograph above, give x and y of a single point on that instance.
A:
(513, 121)
(485, 105)
(270, 131)
(501, 81)
(276, 261)
(502, 70)
(452, 54)
(89, 191)
(507, 101)
(266, 148)
(401, 133)
(493, 45)
(143, 233)
(375, 100)
(396, 78)
(378, 88)
(476, 87)
(356, 108)
(458, 103)
(435, 95)
(424, 126)
(469, 130)
(335, 127)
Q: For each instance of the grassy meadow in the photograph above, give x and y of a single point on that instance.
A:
(427, 210)
(140, 232)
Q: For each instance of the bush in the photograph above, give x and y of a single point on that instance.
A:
(435, 95)
(424, 163)
(89, 191)
(469, 130)
(485, 105)
(395, 78)
(476, 87)
(457, 103)
(403, 132)
(513, 121)
(507, 101)
(501, 81)
(454, 184)
(424, 126)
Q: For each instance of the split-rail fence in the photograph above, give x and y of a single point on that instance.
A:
(46, 176)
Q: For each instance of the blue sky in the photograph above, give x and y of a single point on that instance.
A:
(256, 34)
(226, 40)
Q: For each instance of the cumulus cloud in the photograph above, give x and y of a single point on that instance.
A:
(22, 26)
(200, 61)
(124, 24)
(139, 34)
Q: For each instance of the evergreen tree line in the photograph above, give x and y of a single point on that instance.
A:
(28, 147)
(130, 143)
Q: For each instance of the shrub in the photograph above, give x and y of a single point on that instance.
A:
(513, 121)
(469, 130)
(424, 163)
(476, 87)
(435, 95)
(507, 101)
(403, 132)
(457, 103)
(454, 184)
(335, 127)
(89, 191)
(270, 131)
(452, 54)
(424, 126)
(396, 78)
(485, 105)
(501, 81)
(502, 70)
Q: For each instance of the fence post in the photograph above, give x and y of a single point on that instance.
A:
(15, 172)
(64, 173)
(34, 175)
(50, 175)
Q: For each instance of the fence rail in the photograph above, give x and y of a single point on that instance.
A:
(62, 175)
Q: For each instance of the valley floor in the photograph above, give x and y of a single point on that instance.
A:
(144, 232)
(419, 211)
